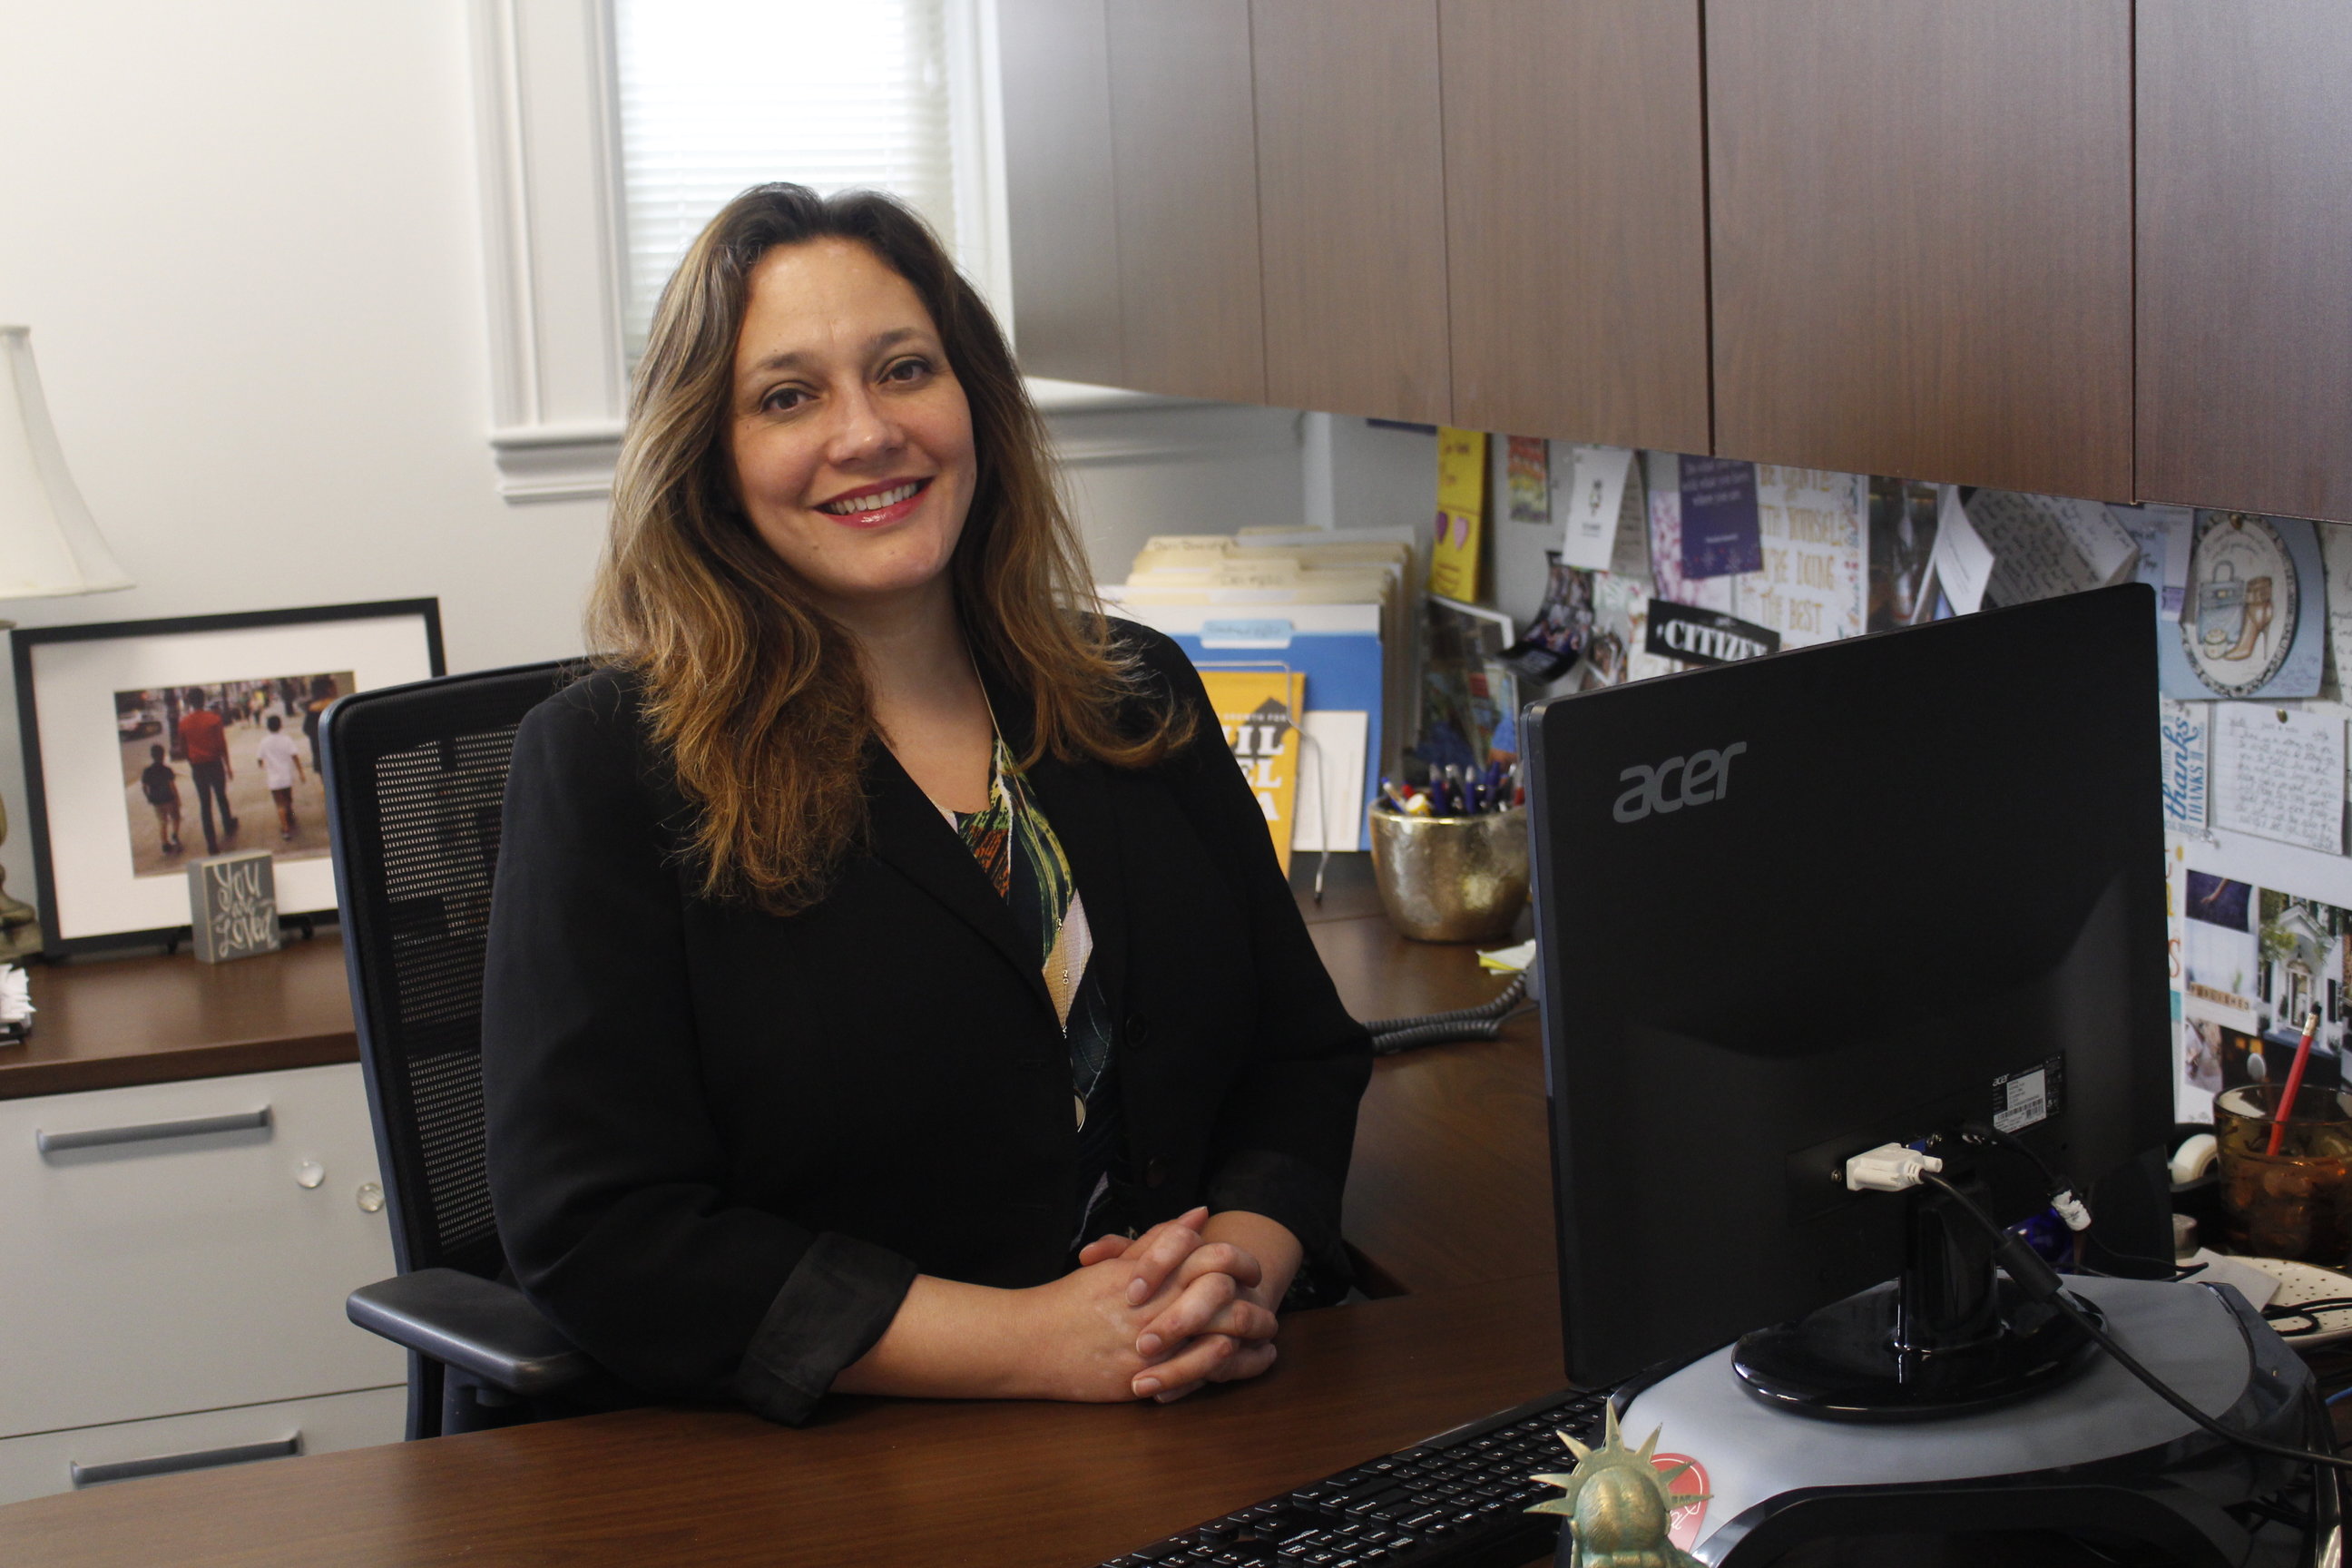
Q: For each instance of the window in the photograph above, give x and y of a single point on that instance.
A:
(612, 130)
(716, 95)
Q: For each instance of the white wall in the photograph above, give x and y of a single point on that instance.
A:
(247, 236)
(1139, 467)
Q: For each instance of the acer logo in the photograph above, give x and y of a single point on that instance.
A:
(1676, 783)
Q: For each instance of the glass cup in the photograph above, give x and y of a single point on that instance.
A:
(2296, 1203)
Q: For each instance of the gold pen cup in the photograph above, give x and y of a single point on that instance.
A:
(2296, 1203)
(1452, 879)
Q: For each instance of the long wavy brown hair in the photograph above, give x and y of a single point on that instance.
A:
(752, 693)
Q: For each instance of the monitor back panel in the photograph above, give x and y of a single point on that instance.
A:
(1794, 908)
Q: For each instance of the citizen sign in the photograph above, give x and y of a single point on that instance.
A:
(1713, 645)
(1676, 783)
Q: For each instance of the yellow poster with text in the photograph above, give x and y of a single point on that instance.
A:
(1461, 504)
(1259, 709)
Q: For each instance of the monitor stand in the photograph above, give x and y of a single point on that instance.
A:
(2097, 1455)
(1947, 1336)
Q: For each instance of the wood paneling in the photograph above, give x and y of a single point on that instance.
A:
(109, 1021)
(2245, 255)
(1922, 237)
(1351, 206)
(1576, 217)
(1059, 189)
(1184, 133)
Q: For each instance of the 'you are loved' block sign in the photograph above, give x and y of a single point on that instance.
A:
(232, 905)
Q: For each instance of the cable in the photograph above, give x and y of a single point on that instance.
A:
(2282, 1311)
(2029, 1272)
(2071, 1209)
(1496, 1007)
(1395, 1040)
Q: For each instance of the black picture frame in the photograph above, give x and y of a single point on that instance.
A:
(44, 763)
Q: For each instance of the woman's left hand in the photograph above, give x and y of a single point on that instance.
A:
(1216, 1280)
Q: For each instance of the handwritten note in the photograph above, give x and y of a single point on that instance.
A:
(2279, 773)
(2163, 535)
(1961, 561)
(2047, 545)
(2183, 730)
(1812, 587)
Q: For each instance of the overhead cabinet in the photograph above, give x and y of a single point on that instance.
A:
(1576, 220)
(1060, 198)
(2245, 255)
(1920, 216)
(1894, 237)
(1400, 208)
(1351, 206)
(1184, 141)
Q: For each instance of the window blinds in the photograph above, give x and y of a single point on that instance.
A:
(716, 95)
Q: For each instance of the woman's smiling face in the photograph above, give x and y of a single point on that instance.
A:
(849, 435)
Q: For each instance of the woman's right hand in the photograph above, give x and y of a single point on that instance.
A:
(1074, 1338)
(1080, 1330)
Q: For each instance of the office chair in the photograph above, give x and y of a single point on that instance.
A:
(415, 786)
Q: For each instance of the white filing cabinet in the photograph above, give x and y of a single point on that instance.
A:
(174, 1296)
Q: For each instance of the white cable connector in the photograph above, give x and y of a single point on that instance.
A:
(2071, 1209)
(1889, 1168)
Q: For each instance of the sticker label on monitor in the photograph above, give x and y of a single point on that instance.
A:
(2022, 1098)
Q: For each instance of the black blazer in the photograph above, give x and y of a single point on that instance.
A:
(722, 1144)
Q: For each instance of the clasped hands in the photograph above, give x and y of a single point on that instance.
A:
(1191, 1300)
(1156, 1317)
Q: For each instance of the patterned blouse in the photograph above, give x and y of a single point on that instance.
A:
(1024, 861)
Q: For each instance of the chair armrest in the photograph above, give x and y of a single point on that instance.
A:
(464, 1321)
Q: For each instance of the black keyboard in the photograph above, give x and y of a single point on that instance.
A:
(1456, 1501)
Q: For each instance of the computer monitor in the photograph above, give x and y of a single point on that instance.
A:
(1799, 907)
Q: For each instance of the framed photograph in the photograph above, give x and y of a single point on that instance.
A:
(152, 744)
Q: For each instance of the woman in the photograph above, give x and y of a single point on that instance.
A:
(880, 922)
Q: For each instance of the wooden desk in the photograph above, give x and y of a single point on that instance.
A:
(1450, 1198)
(106, 1023)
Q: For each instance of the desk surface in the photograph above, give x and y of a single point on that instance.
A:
(1450, 1199)
(102, 1023)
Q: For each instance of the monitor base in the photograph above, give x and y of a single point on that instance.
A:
(2097, 1455)
(1844, 1362)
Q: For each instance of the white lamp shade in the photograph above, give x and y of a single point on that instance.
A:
(49, 546)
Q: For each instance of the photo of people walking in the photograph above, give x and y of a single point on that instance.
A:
(232, 765)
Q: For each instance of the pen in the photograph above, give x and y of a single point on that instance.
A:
(2294, 1081)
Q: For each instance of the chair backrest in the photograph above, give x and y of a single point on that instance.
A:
(415, 789)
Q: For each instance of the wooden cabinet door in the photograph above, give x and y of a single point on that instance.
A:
(1921, 216)
(1351, 206)
(1576, 213)
(1185, 143)
(1059, 189)
(2245, 255)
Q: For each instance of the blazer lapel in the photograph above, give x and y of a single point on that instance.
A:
(910, 834)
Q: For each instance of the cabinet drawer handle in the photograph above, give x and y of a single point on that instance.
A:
(98, 1137)
(168, 1464)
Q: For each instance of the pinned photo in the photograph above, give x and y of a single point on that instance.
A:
(1556, 638)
